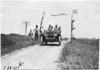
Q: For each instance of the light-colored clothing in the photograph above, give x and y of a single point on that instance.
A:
(36, 31)
(56, 29)
(42, 29)
(49, 29)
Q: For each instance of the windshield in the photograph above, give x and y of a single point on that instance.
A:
(50, 32)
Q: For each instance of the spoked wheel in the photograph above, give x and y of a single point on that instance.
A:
(59, 40)
(41, 41)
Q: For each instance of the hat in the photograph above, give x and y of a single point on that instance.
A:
(36, 25)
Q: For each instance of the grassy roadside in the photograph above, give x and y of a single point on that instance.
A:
(81, 54)
(13, 42)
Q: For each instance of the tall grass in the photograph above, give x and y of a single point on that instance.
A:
(12, 42)
(80, 54)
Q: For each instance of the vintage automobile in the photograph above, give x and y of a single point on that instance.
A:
(50, 36)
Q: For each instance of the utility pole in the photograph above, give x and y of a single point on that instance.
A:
(72, 20)
(42, 21)
(26, 24)
(72, 27)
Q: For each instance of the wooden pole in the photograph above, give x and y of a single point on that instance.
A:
(71, 26)
(26, 24)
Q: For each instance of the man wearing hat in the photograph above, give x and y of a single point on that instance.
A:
(36, 32)
(49, 28)
(56, 28)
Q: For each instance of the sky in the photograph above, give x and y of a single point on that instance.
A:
(87, 19)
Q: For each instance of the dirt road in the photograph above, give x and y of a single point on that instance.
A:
(33, 57)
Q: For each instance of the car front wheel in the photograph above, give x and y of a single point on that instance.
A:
(59, 40)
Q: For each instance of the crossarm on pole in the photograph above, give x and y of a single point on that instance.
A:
(59, 14)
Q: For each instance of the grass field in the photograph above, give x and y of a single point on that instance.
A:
(13, 42)
(80, 54)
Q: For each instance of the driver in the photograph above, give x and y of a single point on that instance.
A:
(51, 28)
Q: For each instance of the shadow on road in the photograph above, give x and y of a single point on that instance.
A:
(50, 45)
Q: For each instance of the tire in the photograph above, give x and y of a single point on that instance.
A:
(41, 41)
(59, 40)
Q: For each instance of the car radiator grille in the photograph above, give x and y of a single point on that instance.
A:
(50, 36)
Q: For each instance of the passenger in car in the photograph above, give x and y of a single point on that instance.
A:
(49, 28)
(59, 29)
(56, 28)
